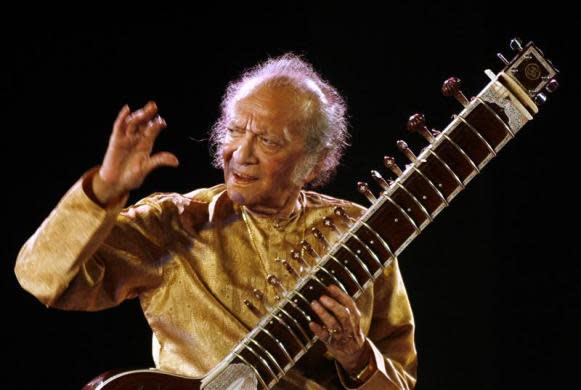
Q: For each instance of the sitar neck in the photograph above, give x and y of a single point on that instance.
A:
(404, 208)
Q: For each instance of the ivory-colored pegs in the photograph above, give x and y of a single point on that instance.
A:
(516, 44)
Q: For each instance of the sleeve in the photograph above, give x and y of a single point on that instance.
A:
(391, 336)
(85, 257)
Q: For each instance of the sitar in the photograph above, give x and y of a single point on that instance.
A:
(401, 211)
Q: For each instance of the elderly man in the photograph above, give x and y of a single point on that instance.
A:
(194, 259)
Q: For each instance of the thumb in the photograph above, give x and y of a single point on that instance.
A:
(162, 159)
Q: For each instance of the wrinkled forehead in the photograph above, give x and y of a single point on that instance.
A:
(282, 99)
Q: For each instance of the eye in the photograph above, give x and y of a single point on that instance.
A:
(268, 142)
(234, 132)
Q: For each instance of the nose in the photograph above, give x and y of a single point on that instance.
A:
(244, 153)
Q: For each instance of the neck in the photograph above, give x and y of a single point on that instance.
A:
(291, 206)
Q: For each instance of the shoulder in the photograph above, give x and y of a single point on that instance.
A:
(327, 203)
(164, 203)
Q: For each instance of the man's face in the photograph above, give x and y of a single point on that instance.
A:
(263, 147)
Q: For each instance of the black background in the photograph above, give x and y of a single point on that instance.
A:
(493, 283)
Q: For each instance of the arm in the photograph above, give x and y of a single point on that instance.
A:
(84, 257)
(86, 254)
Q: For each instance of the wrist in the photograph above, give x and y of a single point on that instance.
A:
(102, 192)
(361, 376)
(361, 362)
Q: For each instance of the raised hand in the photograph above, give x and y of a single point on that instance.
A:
(128, 159)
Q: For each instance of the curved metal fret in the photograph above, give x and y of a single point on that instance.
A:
(368, 249)
(318, 266)
(307, 317)
(279, 343)
(263, 361)
(295, 321)
(302, 297)
(420, 205)
(292, 332)
(353, 278)
(282, 372)
(381, 240)
(508, 129)
(432, 185)
(477, 134)
(363, 265)
(462, 152)
(341, 286)
(254, 368)
(447, 167)
(405, 214)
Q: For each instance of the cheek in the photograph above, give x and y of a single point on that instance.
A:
(227, 151)
(279, 172)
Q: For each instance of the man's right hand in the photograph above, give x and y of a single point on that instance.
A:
(128, 159)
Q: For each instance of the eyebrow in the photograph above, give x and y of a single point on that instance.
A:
(238, 127)
(277, 138)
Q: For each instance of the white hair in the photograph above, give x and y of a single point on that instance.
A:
(323, 108)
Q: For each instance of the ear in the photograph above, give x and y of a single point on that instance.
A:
(316, 168)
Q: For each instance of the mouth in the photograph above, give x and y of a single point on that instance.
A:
(241, 178)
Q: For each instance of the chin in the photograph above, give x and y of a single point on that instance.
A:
(235, 195)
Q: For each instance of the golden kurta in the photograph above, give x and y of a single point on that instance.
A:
(192, 260)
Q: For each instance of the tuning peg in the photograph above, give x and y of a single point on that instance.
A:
(319, 236)
(451, 87)
(340, 212)
(290, 269)
(258, 294)
(516, 44)
(308, 248)
(392, 165)
(274, 281)
(296, 256)
(403, 146)
(328, 222)
(252, 308)
(417, 124)
(540, 99)
(552, 86)
(380, 180)
(364, 189)
(502, 58)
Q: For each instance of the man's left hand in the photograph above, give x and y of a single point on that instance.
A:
(341, 331)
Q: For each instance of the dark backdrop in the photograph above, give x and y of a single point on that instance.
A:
(494, 281)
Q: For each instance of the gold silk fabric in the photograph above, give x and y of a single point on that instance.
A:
(192, 260)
